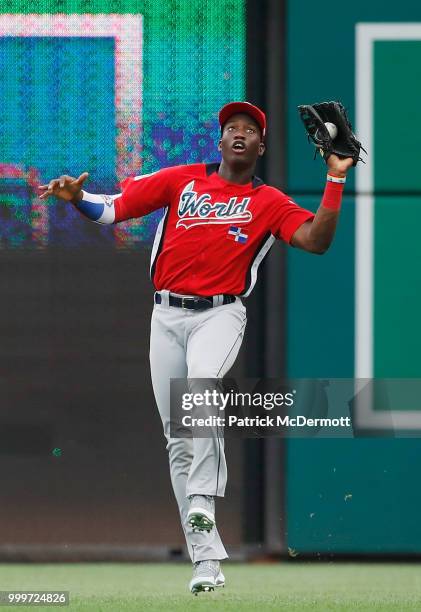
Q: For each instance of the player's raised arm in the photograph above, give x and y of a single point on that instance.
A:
(98, 208)
(317, 235)
(328, 126)
(140, 195)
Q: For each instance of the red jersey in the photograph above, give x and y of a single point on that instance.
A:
(213, 234)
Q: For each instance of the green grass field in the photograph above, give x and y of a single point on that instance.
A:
(285, 586)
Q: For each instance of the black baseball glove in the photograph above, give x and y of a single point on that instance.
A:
(344, 144)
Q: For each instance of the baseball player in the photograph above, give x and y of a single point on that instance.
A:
(219, 222)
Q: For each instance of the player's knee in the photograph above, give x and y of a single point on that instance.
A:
(180, 449)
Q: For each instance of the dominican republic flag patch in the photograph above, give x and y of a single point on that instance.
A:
(235, 233)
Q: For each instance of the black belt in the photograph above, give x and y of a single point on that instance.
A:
(194, 303)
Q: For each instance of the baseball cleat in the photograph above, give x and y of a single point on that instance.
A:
(201, 515)
(206, 576)
(220, 580)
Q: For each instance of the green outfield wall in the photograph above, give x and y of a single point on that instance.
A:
(357, 495)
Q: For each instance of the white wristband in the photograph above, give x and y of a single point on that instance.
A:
(336, 179)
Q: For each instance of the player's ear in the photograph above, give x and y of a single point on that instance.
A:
(262, 148)
(220, 145)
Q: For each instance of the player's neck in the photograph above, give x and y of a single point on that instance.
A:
(242, 176)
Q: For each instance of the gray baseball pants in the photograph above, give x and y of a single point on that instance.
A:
(194, 344)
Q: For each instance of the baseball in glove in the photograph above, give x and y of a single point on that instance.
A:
(344, 144)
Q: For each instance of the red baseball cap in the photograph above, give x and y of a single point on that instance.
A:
(243, 107)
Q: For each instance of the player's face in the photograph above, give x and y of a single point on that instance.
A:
(241, 141)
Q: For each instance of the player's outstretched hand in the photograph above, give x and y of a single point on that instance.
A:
(338, 165)
(66, 187)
